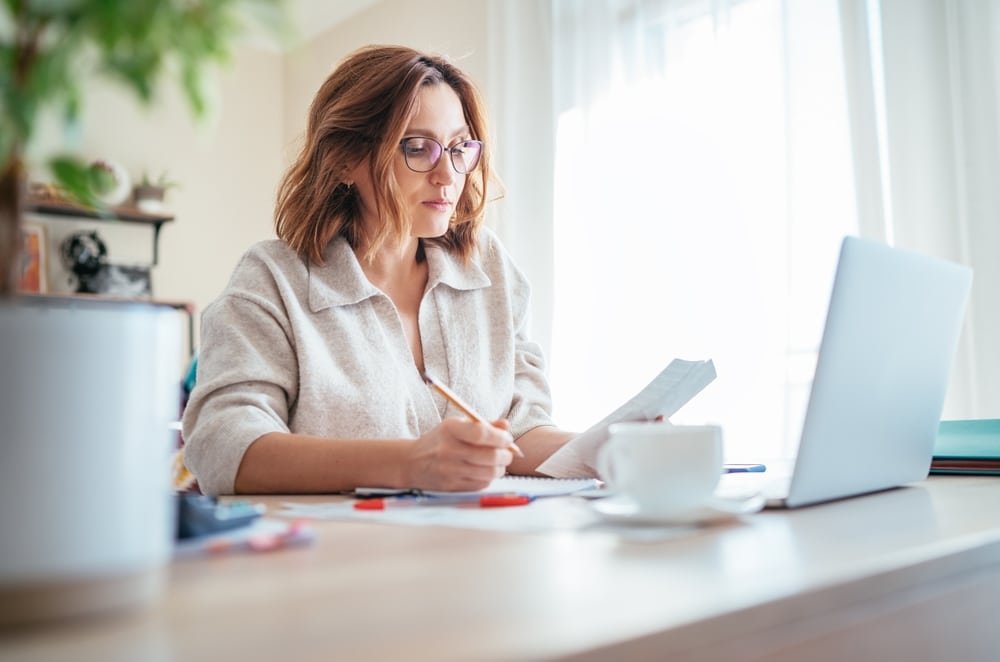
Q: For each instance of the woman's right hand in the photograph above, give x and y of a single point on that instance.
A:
(459, 455)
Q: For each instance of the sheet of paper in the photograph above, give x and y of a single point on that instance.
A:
(669, 391)
(558, 514)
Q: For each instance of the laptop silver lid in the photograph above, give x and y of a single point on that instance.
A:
(891, 331)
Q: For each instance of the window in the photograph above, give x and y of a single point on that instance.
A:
(703, 182)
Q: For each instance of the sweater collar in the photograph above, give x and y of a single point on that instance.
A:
(340, 281)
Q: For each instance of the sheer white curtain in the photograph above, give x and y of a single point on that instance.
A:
(703, 181)
(925, 100)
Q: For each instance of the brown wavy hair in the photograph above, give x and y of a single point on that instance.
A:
(361, 112)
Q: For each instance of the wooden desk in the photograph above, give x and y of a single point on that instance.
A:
(907, 574)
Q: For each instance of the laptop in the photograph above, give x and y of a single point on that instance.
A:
(891, 331)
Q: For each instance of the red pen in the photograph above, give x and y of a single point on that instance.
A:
(477, 500)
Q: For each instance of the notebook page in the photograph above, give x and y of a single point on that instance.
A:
(527, 485)
(535, 486)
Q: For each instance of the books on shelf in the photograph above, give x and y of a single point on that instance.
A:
(969, 447)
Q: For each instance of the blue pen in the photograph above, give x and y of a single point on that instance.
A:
(743, 468)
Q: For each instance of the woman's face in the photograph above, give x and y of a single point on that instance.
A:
(429, 197)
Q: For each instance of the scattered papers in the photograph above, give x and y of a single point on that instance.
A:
(669, 391)
(545, 516)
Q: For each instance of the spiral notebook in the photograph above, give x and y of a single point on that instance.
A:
(527, 485)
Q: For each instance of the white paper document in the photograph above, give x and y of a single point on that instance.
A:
(668, 392)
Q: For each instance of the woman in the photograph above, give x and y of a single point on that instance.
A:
(311, 363)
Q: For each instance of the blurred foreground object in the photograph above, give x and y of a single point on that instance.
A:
(87, 395)
(88, 388)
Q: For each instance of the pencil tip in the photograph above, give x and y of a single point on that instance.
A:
(426, 377)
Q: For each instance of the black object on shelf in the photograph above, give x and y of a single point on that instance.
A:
(84, 254)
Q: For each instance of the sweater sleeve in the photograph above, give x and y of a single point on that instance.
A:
(247, 384)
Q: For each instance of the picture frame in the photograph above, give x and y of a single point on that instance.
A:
(34, 259)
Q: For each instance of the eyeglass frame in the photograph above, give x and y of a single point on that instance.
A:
(450, 151)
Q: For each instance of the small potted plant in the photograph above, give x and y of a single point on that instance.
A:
(149, 193)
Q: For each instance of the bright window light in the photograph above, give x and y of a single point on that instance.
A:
(699, 206)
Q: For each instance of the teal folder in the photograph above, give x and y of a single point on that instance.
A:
(970, 447)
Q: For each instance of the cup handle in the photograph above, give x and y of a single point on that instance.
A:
(605, 465)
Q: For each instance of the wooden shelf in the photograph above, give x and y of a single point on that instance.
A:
(125, 214)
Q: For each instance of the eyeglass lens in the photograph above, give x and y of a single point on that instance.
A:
(423, 154)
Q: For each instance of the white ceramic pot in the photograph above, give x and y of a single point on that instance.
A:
(87, 391)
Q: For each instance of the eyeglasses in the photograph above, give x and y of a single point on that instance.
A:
(422, 154)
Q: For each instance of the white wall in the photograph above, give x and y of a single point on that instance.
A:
(457, 28)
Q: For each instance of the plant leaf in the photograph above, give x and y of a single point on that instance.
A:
(134, 42)
(77, 179)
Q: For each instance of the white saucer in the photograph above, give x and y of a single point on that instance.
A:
(620, 509)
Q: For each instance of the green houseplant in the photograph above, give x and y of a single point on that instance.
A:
(150, 192)
(49, 48)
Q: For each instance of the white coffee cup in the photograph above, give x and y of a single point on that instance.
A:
(663, 469)
(87, 392)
